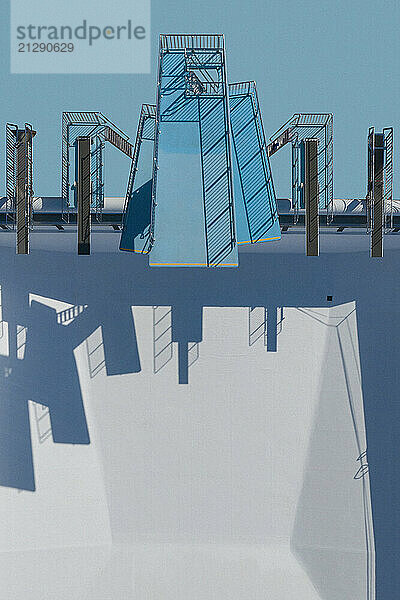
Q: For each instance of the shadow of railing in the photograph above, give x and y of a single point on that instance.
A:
(162, 337)
(95, 353)
(193, 353)
(43, 422)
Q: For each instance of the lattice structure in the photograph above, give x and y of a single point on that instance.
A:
(253, 184)
(137, 208)
(100, 130)
(299, 127)
(192, 120)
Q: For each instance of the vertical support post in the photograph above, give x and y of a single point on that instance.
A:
(370, 177)
(23, 188)
(377, 196)
(311, 196)
(83, 190)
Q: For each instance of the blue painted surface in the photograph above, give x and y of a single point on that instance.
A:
(192, 192)
(273, 230)
(179, 219)
(255, 201)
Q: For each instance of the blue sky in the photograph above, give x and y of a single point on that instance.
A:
(340, 57)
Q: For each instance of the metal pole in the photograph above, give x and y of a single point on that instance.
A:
(83, 189)
(23, 197)
(377, 200)
(311, 196)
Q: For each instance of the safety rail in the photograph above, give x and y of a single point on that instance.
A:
(181, 41)
(211, 89)
(118, 141)
(145, 131)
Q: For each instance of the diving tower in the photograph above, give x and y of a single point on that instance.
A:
(209, 159)
(192, 157)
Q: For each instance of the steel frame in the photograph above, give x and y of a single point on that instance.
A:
(299, 127)
(100, 130)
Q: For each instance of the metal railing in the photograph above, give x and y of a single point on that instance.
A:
(170, 42)
(145, 132)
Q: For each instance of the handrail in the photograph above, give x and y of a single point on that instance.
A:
(199, 41)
